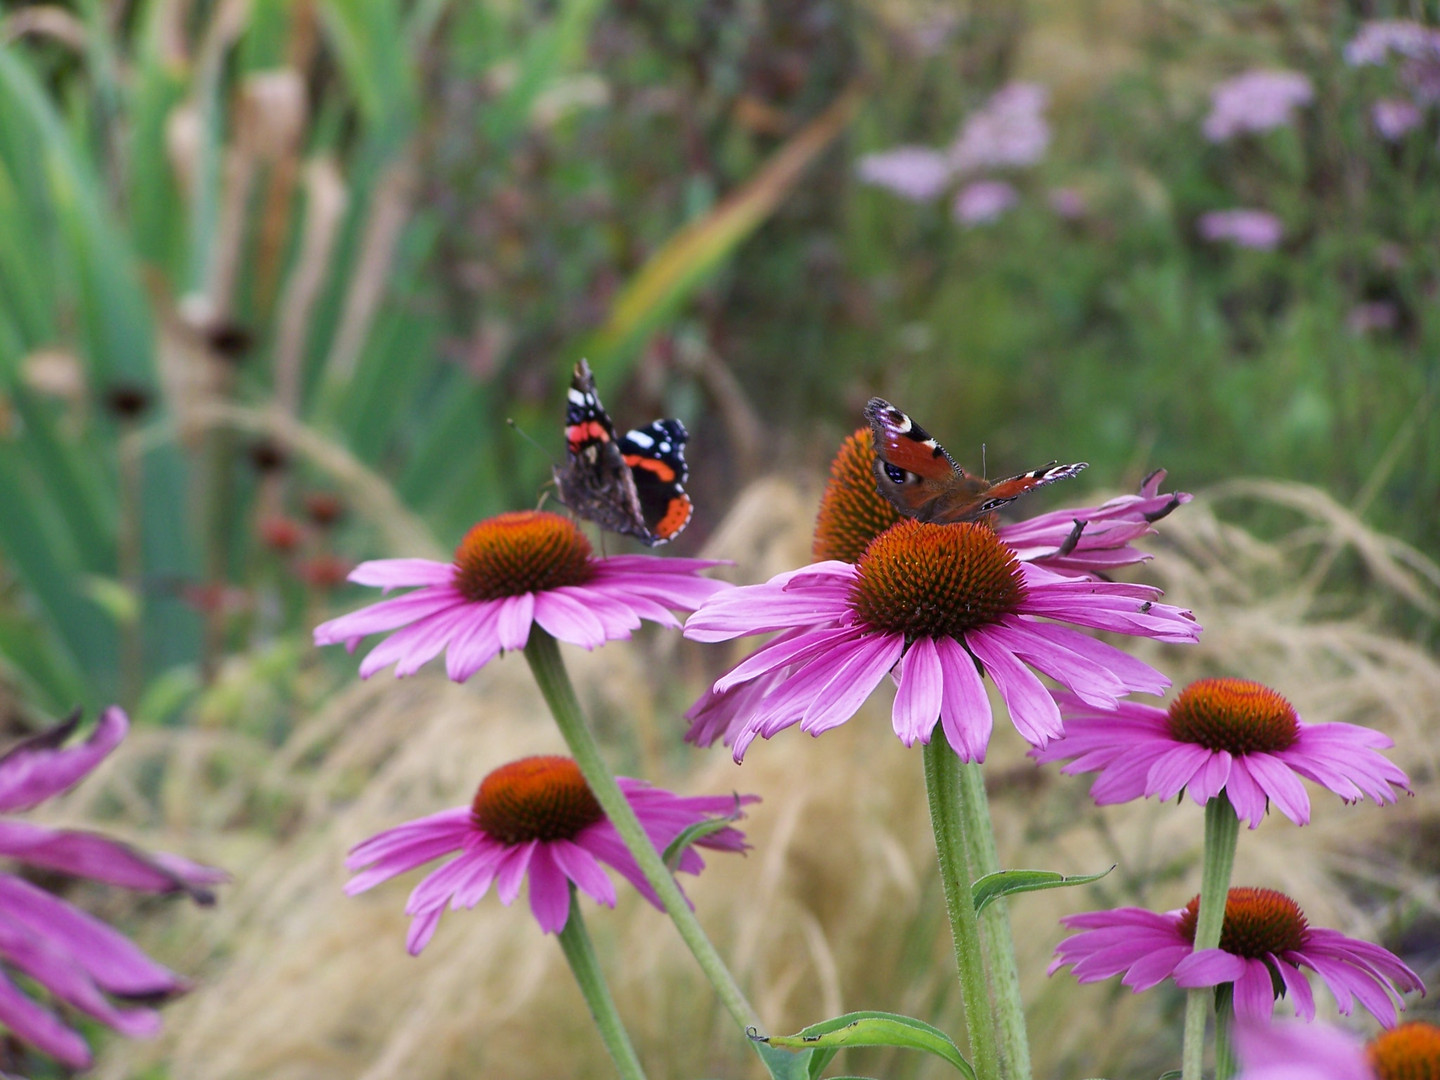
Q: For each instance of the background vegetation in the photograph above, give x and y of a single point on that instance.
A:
(273, 275)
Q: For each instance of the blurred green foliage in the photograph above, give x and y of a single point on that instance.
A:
(252, 254)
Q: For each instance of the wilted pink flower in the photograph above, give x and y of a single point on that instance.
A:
(1291, 1050)
(1394, 118)
(1008, 131)
(1371, 316)
(1229, 735)
(984, 201)
(74, 956)
(534, 818)
(510, 572)
(939, 605)
(1255, 101)
(1257, 229)
(917, 173)
(1263, 944)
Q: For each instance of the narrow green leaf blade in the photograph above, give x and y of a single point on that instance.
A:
(992, 887)
(871, 1028)
(698, 832)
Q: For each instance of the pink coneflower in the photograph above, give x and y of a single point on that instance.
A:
(1229, 735)
(1255, 101)
(983, 202)
(74, 956)
(938, 603)
(1406, 1052)
(511, 571)
(1257, 229)
(1008, 131)
(1377, 39)
(917, 173)
(1080, 542)
(534, 817)
(1264, 943)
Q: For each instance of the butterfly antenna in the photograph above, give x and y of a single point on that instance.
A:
(984, 468)
(510, 420)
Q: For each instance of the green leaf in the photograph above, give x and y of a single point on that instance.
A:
(872, 1028)
(687, 259)
(698, 832)
(992, 887)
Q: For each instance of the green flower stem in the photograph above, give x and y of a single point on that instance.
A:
(581, 954)
(944, 787)
(995, 934)
(544, 657)
(1224, 1018)
(1222, 831)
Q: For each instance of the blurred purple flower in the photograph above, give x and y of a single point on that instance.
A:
(1257, 229)
(1067, 202)
(71, 954)
(1255, 101)
(1418, 45)
(1294, 1050)
(1372, 315)
(984, 201)
(1009, 130)
(1394, 118)
(1377, 40)
(917, 173)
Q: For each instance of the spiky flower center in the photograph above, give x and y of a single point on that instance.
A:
(1235, 715)
(852, 511)
(519, 552)
(1258, 922)
(1408, 1052)
(936, 581)
(535, 798)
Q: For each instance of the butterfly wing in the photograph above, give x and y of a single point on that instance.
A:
(912, 470)
(1008, 490)
(595, 482)
(655, 455)
(921, 480)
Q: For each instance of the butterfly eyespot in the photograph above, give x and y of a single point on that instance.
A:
(895, 473)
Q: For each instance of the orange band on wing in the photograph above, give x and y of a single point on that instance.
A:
(655, 465)
(577, 434)
(677, 515)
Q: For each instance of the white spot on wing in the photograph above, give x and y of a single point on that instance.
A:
(576, 397)
(639, 438)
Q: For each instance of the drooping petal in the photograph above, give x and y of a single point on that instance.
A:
(512, 624)
(388, 614)
(964, 707)
(37, 768)
(853, 682)
(40, 1028)
(565, 619)
(1032, 710)
(90, 855)
(584, 870)
(917, 701)
(549, 891)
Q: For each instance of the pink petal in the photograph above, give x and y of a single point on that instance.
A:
(564, 619)
(400, 573)
(512, 624)
(917, 702)
(89, 855)
(513, 865)
(964, 707)
(1283, 786)
(1032, 710)
(116, 964)
(584, 870)
(854, 680)
(41, 1029)
(388, 615)
(549, 891)
(36, 768)
(422, 929)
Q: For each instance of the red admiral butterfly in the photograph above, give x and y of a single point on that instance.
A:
(632, 485)
(923, 481)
